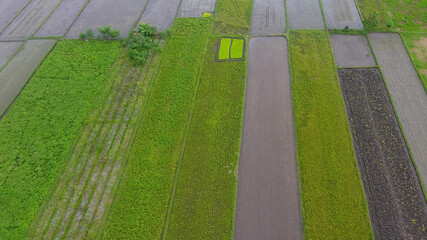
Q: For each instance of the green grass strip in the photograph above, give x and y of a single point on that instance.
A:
(37, 133)
(237, 48)
(224, 49)
(204, 204)
(332, 197)
(141, 203)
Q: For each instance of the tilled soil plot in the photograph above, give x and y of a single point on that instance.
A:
(407, 92)
(341, 13)
(396, 202)
(196, 8)
(267, 191)
(29, 20)
(268, 17)
(161, 13)
(62, 18)
(15, 75)
(352, 51)
(305, 14)
(7, 49)
(121, 15)
(9, 9)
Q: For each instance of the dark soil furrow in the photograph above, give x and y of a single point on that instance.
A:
(396, 202)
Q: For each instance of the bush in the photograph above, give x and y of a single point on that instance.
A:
(372, 21)
(107, 33)
(88, 35)
(146, 30)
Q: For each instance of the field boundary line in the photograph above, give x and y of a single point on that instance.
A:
(13, 55)
(28, 79)
(323, 14)
(116, 187)
(397, 116)
(77, 17)
(181, 157)
(140, 17)
(48, 16)
(16, 15)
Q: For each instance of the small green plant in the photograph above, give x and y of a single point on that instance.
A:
(107, 33)
(390, 23)
(88, 35)
(346, 29)
(372, 21)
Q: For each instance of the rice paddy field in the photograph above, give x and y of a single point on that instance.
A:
(204, 119)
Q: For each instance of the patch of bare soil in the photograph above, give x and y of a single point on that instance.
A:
(421, 49)
(396, 202)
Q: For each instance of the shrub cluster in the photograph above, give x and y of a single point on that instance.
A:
(106, 33)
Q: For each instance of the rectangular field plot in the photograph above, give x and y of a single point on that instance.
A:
(329, 177)
(233, 16)
(267, 191)
(304, 14)
(7, 49)
(29, 20)
(268, 17)
(62, 18)
(352, 51)
(395, 198)
(38, 132)
(341, 13)
(160, 13)
(15, 75)
(9, 9)
(407, 92)
(121, 15)
(196, 8)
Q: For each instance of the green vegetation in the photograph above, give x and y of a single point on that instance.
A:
(405, 15)
(233, 16)
(416, 43)
(237, 48)
(204, 203)
(141, 203)
(332, 198)
(106, 33)
(207, 15)
(224, 49)
(38, 132)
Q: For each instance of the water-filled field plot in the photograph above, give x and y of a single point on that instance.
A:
(396, 202)
(268, 17)
(27, 22)
(352, 51)
(7, 49)
(341, 13)
(304, 14)
(196, 8)
(267, 191)
(62, 18)
(15, 75)
(160, 13)
(407, 93)
(121, 15)
(9, 9)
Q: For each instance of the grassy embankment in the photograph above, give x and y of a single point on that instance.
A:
(416, 43)
(332, 198)
(401, 15)
(37, 133)
(141, 203)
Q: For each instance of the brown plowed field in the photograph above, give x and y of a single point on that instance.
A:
(396, 202)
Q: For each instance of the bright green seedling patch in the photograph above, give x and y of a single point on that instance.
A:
(207, 15)
(224, 49)
(237, 48)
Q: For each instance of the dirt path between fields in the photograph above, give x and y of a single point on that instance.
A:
(268, 205)
(396, 202)
(407, 93)
(15, 75)
(268, 17)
